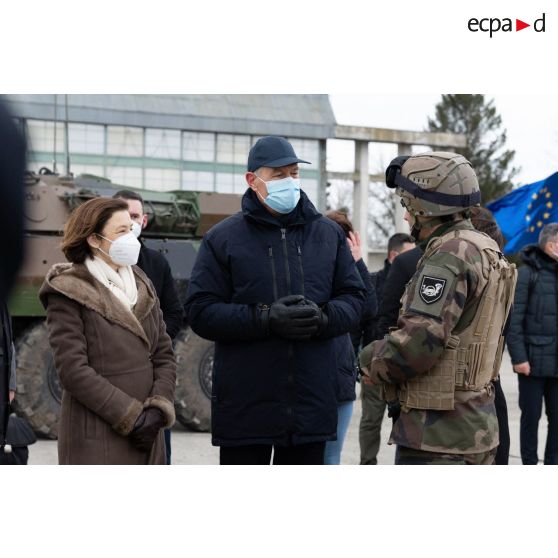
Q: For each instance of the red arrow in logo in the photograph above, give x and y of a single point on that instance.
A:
(519, 25)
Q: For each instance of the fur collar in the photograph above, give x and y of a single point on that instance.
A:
(75, 282)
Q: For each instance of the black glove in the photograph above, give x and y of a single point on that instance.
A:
(146, 428)
(394, 410)
(289, 319)
(322, 316)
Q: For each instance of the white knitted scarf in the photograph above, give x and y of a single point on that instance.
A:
(121, 283)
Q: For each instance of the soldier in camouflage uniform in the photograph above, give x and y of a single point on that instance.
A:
(440, 360)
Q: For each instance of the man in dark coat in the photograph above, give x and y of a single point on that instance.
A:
(12, 168)
(7, 371)
(273, 286)
(155, 266)
(15, 433)
(399, 274)
(533, 346)
(373, 406)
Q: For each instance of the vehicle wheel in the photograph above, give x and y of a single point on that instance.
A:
(192, 400)
(39, 392)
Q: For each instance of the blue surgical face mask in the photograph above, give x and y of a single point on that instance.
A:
(283, 194)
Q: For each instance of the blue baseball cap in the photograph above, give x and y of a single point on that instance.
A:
(272, 151)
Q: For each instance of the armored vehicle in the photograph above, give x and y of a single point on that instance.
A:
(176, 222)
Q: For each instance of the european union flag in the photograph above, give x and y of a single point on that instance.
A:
(522, 213)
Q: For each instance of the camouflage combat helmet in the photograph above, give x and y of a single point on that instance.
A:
(435, 183)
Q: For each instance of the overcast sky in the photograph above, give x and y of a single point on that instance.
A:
(531, 122)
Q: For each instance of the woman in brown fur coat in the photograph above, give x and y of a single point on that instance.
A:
(111, 350)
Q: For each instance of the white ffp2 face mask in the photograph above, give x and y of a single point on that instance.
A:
(124, 250)
(136, 229)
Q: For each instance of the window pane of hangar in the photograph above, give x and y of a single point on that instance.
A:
(198, 146)
(198, 181)
(241, 149)
(310, 187)
(125, 141)
(239, 183)
(41, 136)
(225, 148)
(162, 179)
(86, 138)
(162, 144)
(126, 176)
(224, 182)
(308, 150)
(232, 148)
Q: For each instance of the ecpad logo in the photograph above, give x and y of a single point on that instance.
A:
(494, 24)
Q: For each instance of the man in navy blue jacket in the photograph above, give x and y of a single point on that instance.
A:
(533, 344)
(273, 286)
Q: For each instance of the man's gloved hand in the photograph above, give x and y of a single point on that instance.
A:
(322, 316)
(146, 428)
(290, 319)
(394, 410)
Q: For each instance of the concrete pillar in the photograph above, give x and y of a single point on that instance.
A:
(360, 195)
(401, 225)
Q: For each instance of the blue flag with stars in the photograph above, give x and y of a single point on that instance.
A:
(522, 213)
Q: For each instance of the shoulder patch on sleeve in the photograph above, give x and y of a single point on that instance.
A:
(432, 288)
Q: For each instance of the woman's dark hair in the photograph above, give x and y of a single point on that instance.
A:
(87, 219)
(484, 221)
(341, 219)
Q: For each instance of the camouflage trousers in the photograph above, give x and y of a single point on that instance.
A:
(408, 456)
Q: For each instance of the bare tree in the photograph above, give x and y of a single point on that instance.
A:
(381, 209)
(340, 196)
(381, 215)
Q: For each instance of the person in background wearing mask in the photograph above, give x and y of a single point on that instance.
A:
(533, 344)
(111, 350)
(348, 345)
(157, 268)
(273, 286)
(373, 406)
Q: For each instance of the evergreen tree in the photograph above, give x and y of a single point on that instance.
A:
(473, 116)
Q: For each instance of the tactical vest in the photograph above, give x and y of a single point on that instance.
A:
(473, 352)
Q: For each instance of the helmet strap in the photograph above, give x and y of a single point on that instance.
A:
(459, 200)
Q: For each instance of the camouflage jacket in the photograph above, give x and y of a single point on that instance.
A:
(419, 342)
